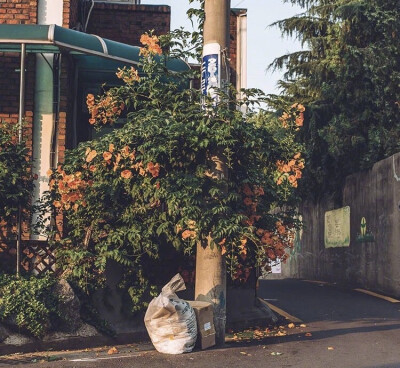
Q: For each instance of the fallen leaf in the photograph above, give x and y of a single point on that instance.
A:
(308, 334)
(331, 348)
(112, 351)
(276, 353)
(303, 325)
(280, 333)
(291, 325)
(244, 353)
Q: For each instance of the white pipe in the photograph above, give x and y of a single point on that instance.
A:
(49, 12)
(88, 16)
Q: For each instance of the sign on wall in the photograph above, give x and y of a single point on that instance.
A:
(337, 228)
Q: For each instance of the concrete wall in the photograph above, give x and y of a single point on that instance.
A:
(374, 265)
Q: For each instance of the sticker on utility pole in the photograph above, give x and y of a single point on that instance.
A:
(211, 72)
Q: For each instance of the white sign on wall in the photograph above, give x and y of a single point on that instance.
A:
(337, 228)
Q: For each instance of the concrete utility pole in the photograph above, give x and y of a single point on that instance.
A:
(210, 263)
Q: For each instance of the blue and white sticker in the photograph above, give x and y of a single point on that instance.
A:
(211, 71)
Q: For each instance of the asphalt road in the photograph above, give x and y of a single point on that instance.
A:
(334, 328)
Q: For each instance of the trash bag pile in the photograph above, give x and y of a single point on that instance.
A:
(171, 321)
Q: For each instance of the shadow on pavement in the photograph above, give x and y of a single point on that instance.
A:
(313, 302)
(316, 335)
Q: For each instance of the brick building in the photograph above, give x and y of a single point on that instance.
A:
(65, 62)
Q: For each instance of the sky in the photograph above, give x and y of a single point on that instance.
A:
(264, 43)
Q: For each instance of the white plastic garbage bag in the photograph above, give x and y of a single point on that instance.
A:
(170, 321)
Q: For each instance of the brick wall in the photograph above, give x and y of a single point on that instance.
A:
(18, 11)
(70, 13)
(233, 46)
(126, 23)
(233, 23)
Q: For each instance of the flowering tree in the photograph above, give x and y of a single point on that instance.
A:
(129, 193)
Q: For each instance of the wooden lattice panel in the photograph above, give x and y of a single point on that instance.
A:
(37, 257)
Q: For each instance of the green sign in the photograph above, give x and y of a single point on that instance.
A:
(337, 228)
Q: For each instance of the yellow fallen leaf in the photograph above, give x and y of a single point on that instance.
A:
(280, 333)
(331, 348)
(291, 325)
(303, 325)
(112, 351)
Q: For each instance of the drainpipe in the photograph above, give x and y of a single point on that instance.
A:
(49, 12)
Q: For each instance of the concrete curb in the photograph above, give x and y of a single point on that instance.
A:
(77, 342)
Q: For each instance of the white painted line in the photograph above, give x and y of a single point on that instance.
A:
(384, 297)
(316, 282)
(116, 356)
(280, 311)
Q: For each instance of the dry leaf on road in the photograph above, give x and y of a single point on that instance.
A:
(112, 351)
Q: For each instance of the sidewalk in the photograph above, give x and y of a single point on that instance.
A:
(242, 345)
(241, 315)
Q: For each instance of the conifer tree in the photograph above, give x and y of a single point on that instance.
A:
(348, 74)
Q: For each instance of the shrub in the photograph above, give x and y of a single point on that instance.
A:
(28, 303)
(152, 182)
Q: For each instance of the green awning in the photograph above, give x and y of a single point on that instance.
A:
(55, 39)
